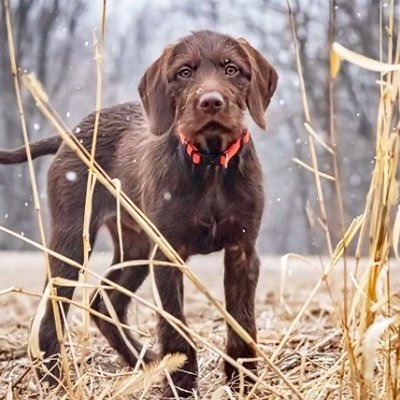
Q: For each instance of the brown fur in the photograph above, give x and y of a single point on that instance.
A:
(198, 208)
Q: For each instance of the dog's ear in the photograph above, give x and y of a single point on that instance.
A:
(157, 102)
(263, 83)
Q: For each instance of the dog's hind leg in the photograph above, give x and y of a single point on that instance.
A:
(135, 246)
(67, 240)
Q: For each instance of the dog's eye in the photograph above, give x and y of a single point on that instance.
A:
(231, 69)
(185, 73)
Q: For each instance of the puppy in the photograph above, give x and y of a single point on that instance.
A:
(186, 158)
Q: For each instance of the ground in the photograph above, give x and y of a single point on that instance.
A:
(314, 342)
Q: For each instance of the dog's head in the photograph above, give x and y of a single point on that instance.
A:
(202, 86)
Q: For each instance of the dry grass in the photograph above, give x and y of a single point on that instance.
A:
(350, 353)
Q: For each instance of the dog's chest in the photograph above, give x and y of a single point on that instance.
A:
(213, 224)
(203, 214)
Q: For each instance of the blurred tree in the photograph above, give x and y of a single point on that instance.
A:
(54, 39)
(40, 28)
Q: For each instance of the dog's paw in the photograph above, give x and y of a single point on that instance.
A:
(185, 385)
(240, 382)
(49, 371)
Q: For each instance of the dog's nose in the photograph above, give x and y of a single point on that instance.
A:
(211, 102)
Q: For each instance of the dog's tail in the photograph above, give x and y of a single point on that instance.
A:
(39, 148)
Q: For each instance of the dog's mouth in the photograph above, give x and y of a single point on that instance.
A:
(215, 137)
(213, 128)
(215, 148)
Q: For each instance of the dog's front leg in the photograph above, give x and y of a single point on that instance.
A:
(169, 282)
(240, 281)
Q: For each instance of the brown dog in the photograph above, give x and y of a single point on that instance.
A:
(186, 158)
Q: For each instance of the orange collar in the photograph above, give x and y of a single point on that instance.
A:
(222, 159)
